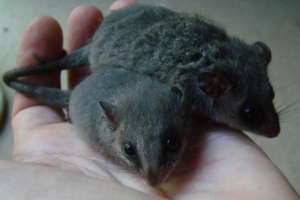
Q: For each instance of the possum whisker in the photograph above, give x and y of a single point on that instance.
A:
(291, 108)
(285, 121)
(282, 87)
(289, 112)
(283, 109)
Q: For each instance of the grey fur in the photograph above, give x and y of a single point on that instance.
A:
(177, 49)
(221, 78)
(146, 122)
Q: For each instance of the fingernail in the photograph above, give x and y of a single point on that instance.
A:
(121, 4)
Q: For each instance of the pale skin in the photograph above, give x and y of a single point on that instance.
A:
(52, 161)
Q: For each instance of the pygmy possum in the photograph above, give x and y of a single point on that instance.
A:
(187, 66)
(224, 78)
(135, 120)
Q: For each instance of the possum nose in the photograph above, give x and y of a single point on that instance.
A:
(271, 127)
(271, 131)
(154, 178)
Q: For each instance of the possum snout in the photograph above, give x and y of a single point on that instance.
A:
(272, 129)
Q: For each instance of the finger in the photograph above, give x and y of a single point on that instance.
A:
(42, 38)
(82, 24)
(121, 4)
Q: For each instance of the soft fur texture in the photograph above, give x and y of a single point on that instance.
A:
(170, 66)
(179, 49)
(220, 76)
(128, 108)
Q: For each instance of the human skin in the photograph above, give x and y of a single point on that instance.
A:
(52, 161)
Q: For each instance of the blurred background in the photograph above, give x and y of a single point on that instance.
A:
(275, 22)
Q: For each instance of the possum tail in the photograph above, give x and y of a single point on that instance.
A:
(51, 96)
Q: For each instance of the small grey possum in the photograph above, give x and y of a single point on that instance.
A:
(223, 78)
(135, 120)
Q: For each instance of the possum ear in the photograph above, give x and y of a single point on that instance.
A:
(110, 114)
(214, 85)
(264, 51)
(177, 91)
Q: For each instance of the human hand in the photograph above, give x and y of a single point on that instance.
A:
(52, 161)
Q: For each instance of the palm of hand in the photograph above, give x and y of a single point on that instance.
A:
(224, 163)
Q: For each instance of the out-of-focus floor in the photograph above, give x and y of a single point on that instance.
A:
(275, 22)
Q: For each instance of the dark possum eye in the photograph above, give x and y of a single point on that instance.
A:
(195, 57)
(264, 51)
(252, 114)
(129, 149)
(177, 92)
(172, 144)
